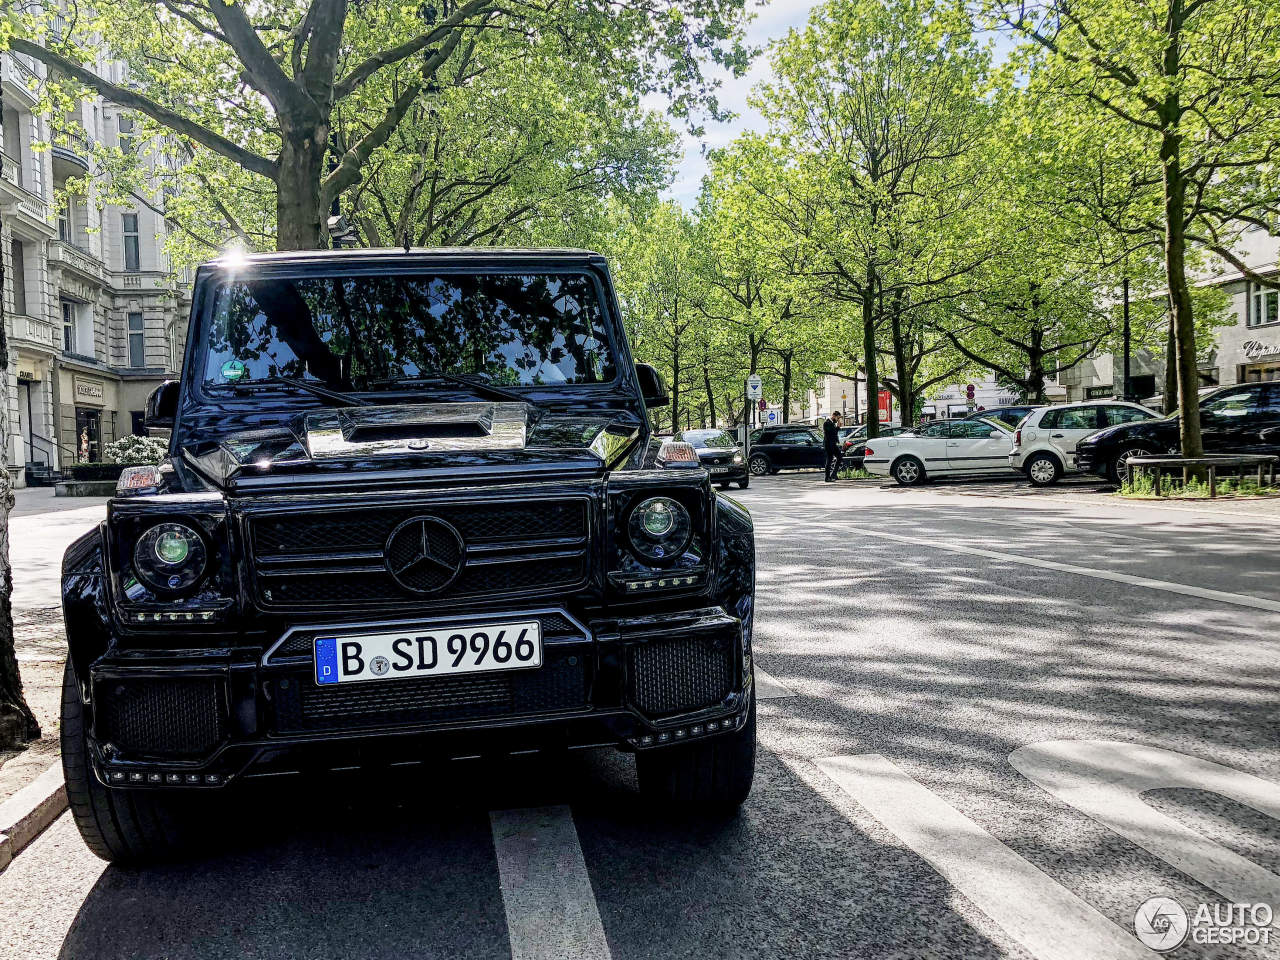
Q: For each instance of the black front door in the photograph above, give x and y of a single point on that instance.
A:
(1228, 420)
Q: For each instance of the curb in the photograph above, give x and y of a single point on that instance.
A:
(26, 814)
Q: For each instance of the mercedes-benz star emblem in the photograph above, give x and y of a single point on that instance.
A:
(424, 554)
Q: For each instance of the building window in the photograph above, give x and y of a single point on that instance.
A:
(68, 326)
(19, 268)
(64, 220)
(137, 348)
(138, 423)
(132, 261)
(125, 123)
(171, 335)
(1265, 306)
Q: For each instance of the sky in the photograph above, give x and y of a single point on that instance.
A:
(771, 23)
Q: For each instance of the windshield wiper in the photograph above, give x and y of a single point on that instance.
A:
(482, 387)
(335, 398)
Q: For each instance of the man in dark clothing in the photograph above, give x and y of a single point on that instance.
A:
(831, 444)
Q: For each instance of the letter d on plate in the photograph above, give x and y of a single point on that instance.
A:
(326, 660)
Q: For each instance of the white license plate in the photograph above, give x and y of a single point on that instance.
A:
(429, 652)
(717, 469)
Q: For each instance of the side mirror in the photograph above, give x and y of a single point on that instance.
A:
(161, 407)
(652, 387)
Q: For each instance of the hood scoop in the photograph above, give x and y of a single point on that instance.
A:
(382, 431)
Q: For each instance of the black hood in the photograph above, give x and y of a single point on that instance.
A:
(369, 446)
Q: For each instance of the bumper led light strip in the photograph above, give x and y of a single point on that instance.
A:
(684, 733)
(156, 778)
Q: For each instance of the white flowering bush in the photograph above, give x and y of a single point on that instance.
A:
(133, 449)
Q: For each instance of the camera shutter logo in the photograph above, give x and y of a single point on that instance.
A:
(1162, 924)
(424, 554)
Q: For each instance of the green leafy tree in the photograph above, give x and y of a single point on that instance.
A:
(280, 107)
(1189, 87)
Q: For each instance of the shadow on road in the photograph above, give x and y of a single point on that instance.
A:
(405, 867)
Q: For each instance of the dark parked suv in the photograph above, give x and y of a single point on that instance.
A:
(411, 511)
(785, 448)
(720, 456)
(1241, 419)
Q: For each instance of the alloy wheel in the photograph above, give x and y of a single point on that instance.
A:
(759, 466)
(907, 472)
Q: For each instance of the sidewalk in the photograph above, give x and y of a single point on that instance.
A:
(41, 527)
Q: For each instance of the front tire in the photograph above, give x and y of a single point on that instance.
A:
(759, 465)
(908, 471)
(120, 826)
(704, 778)
(1043, 470)
(1118, 471)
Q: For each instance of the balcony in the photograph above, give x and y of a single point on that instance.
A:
(34, 331)
(70, 159)
(20, 77)
(146, 280)
(67, 256)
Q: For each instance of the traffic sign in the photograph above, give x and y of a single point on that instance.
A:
(773, 416)
(755, 387)
(762, 406)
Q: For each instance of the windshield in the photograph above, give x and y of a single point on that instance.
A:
(708, 438)
(364, 332)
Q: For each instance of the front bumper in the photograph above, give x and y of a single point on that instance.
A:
(1088, 461)
(720, 473)
(204, 719)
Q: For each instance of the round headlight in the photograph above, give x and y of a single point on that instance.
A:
(659, 528)
(737, 458)
(169, 557)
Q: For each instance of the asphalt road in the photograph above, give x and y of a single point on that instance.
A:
(912, 641)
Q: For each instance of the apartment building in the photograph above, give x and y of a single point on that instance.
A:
(95, 316)
(1245, 350)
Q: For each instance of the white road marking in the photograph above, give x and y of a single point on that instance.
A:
(1105, 780)
(1050, 921)
(551, 909)
(1185, 589)
(767, 688)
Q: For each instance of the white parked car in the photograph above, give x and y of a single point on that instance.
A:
(1044, 445)
(944, 448)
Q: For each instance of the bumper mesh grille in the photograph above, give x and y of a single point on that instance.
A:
(160, 717)
(680, 674)
(560, 685)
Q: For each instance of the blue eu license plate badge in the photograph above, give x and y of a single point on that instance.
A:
(326, 659)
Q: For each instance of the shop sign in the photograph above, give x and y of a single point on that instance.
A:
(24, 374)
(88, 391)
(1256, 349)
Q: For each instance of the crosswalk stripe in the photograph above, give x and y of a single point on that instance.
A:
(769, 688)
(546, 892)
(1050, 921)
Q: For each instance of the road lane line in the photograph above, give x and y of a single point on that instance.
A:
(1050, 921)
(546, 892)
(1105, 779)
(1184, 589)
(768, 688)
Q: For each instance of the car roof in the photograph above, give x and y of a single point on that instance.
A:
(416, 256)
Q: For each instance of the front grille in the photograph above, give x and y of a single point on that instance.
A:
(334, 556)
(557, 686)
(159, 716)
(680, 674)
(301, 643)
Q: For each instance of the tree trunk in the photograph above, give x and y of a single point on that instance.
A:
(1035, 366)
(786, 384)
(1169, 403)
(711, 395)
(298, 212)
(1175, 248)
(902, 364)
(17, 723)
(869, 353)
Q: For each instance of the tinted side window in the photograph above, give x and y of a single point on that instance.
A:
(971, 430)
(1232, 403)
(1115, 415)
(1049, 419)
(1078, 418)
(1271, 402)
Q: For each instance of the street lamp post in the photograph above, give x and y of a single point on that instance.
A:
(1128, 388)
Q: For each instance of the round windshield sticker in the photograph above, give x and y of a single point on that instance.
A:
(233, 370)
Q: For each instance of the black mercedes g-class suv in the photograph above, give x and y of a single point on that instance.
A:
(411, 511)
